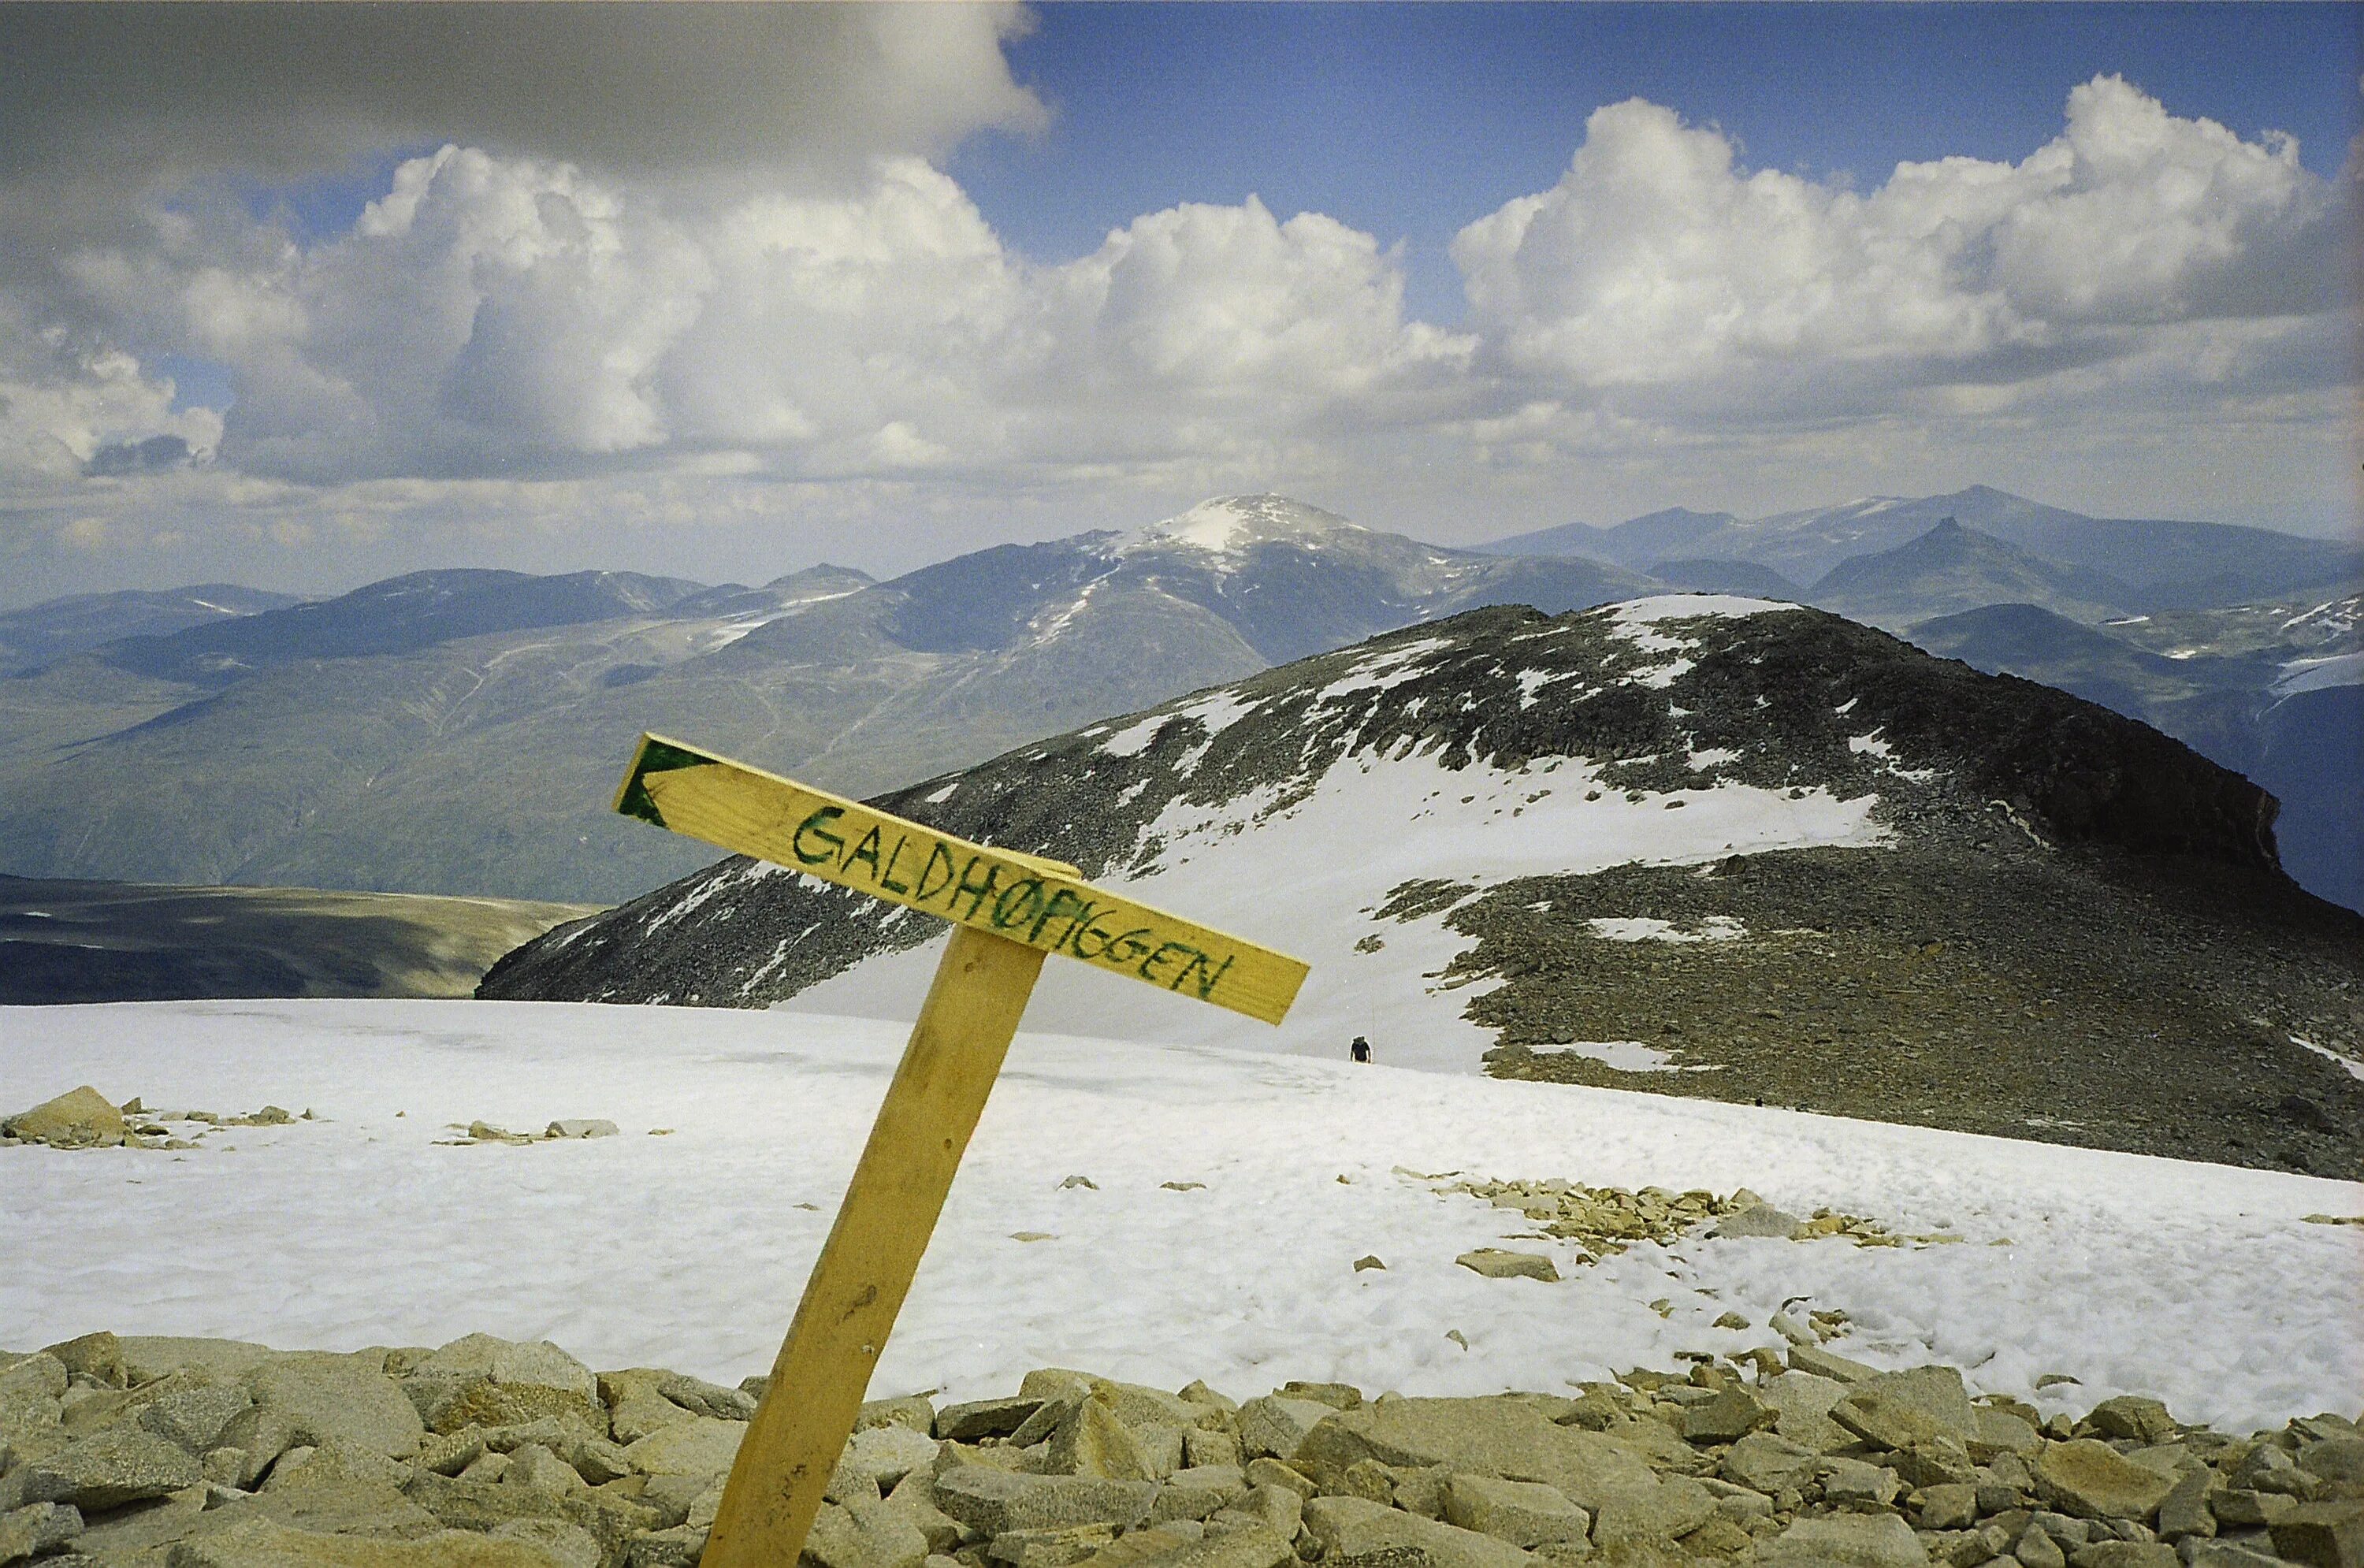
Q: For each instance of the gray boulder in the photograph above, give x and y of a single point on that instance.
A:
(699, 1446)
(993, 1502)
(984, 1418)
(37, 1527)
(112, 1467)
(79, 1119)
(912, 1410)
(148, 1357)
(889, 1452)
(1844, 1541)
(98, 1357)
(1194, 1493)
(316, 1398)
(479, 1381)
(569, 1545)
(1527, 1514)
(2092, 1480)
(869, 1537)
(2134, 1418)
(1355, 1528)
(1675, 1506)
(1502, 1437)
(1054, 1548)
(1762, 1219)
(1895, 1409)
(1829, 1363)
(636, 1407)
(261, 1543)
(680, 1547)
(1802, 1402)
(700, 1397)
(194, 1418)
(1277, 1426)
(1768, 1463)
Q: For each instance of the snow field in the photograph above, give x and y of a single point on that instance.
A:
(1309, 878)
(2198, 1284)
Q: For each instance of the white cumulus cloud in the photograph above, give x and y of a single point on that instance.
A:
(493, 315)
(1658, 262)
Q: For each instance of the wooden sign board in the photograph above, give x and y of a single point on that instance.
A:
(1009, 911)
(1039, 903)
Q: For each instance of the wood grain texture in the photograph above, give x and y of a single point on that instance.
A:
(864, 1270)
(1024, 899)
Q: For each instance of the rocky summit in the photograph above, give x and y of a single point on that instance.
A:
(486, 1453)
(1693, 845)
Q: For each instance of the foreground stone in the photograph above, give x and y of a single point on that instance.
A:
(265, 1545)
(80, 1119)
(485, 1453)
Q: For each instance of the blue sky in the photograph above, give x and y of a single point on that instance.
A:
(724, 290)
(1408, 121)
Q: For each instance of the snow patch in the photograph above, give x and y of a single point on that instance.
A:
(2316, 675)
(2136, 1275)
(1659, 677)
(1134, 739)
(1690, 607)
(1644, 929)
(2355, 1067)
(1382, 670)
(1620, 1055)
(1534, 680)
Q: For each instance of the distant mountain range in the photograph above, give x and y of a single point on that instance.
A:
(1689, 845)
(2275, 692)
(457, 731)
(2153, 564)
(41, 633)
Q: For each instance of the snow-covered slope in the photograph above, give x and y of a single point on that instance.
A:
(2199, 1285)
(1307, 861)
(1931, 895)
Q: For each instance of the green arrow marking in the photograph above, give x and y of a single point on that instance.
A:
(657, 757)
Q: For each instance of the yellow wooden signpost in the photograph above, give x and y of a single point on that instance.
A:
(1009, 911)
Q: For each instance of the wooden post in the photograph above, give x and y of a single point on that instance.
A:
(1009, 911)
(864, 1270)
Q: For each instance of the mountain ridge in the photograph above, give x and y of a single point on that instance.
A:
(1953, 568)
(2173, 564)
(1510, 840)
(453, 732)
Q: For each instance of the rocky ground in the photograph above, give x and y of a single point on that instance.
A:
(84, 1118)
(1940, 984)
(484, 1453)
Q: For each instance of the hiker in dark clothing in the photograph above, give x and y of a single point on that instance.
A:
(1360, 1050)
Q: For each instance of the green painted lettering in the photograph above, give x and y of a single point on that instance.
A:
(1149, 965)
(1062, 902)
(1089, 926)
(1130, 946)
(813, 825)
(978, 892)
(865, 851)
(1207, 986)
(886, 877)
(937, 856)
(1010, 908)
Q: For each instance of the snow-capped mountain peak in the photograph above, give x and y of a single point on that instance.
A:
(1231, 524)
